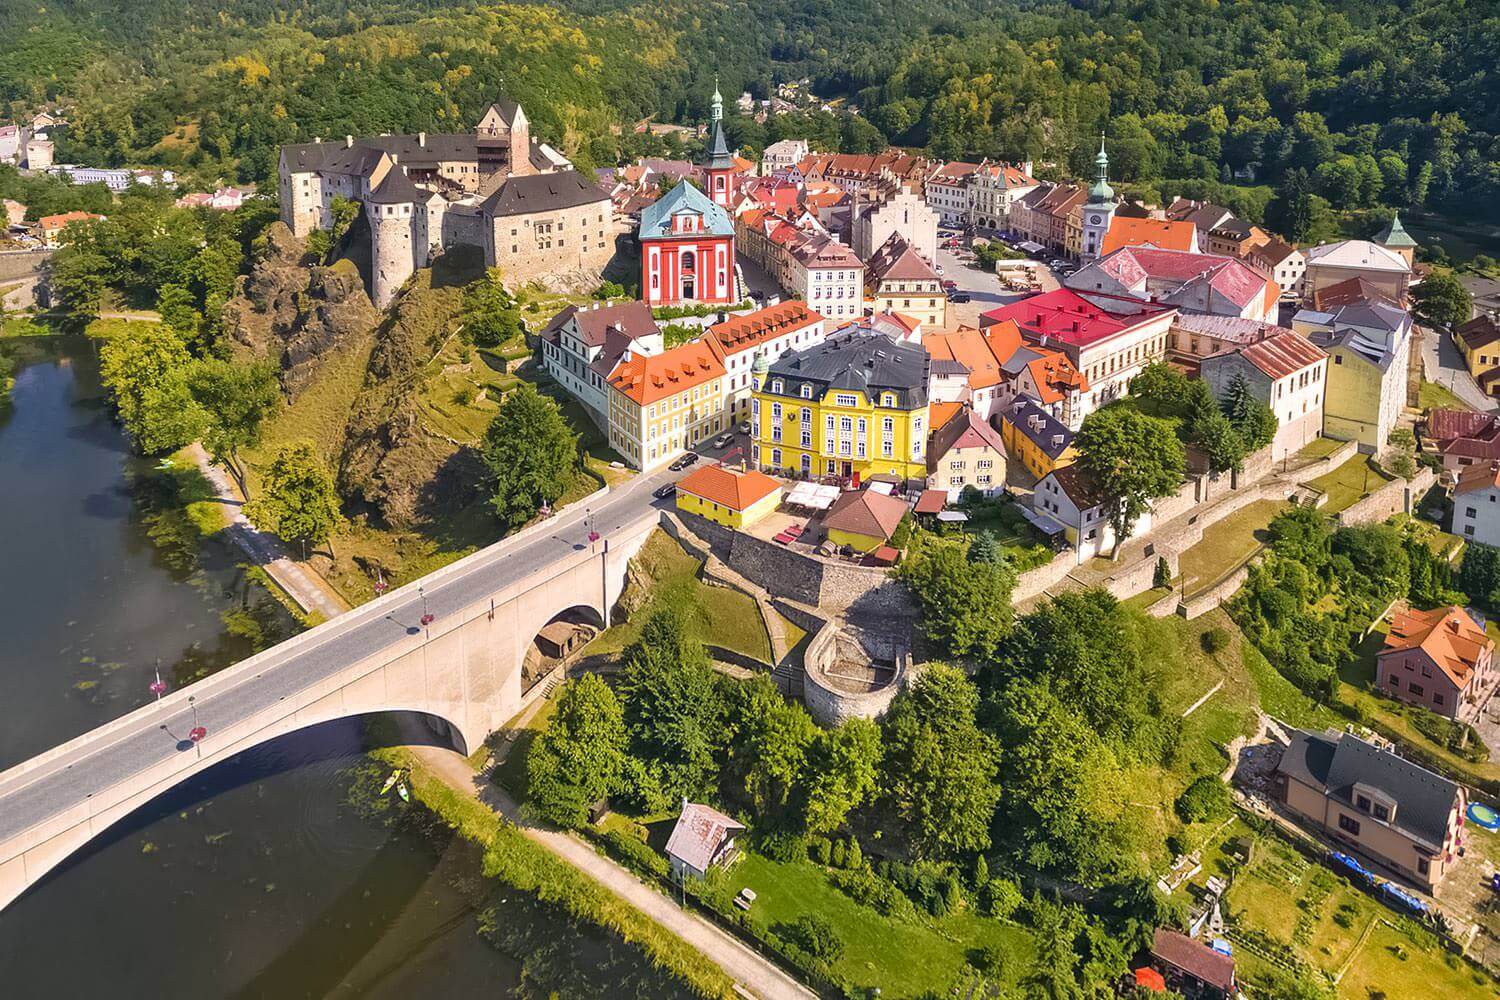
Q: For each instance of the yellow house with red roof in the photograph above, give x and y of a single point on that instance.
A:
(660, 405)
(733, 499)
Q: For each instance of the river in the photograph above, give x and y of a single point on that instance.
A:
(263, 877)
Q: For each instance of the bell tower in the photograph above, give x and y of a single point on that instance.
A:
(1099, 210)
(718, 164)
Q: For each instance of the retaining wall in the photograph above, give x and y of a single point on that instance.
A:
(1396, 497)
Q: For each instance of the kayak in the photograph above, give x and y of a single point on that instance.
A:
(390, 781)
(401, 791)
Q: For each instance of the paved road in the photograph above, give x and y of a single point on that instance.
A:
(1441, 363)
(752, 971)
(984, 287)
(148, 736)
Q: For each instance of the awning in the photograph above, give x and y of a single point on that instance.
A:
(1030, 246)
(1041, 521)
(876, 486)
(952, 516)
(1150, 979)
(814, 496)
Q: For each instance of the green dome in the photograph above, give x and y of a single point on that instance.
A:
(760, 365)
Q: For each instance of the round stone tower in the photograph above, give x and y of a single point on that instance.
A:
(391, 209)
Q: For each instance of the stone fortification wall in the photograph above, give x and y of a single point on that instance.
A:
(1396, 497)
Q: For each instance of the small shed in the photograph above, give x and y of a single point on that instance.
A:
(559, 639)
(702, 838)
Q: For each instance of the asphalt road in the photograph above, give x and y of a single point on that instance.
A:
(151, 734)
(1441, 363)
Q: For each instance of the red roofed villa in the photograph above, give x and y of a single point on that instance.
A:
(1440, 659)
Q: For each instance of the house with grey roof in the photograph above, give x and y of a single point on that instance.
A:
(516, 199)
(1368, 344)
(702, 838)
(1387, 808)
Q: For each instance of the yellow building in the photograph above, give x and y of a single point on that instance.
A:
(853, 406)
(1479, 340)
(1035, 438)
(863, 520)
(663, 404)
(733, 499)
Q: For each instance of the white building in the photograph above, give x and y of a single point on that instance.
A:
(949, 193)
(582, 344)
(743, 341)
(1476, 505)
(1386, 270)
(1071, 498)
(827, 276)
(1287, 373)
(782, 155)
(902, 212)
(996, 187)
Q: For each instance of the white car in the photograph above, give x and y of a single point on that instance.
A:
(723, 440)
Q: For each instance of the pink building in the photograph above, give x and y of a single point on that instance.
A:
(1440, 659)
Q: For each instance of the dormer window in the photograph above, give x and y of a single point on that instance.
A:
(776, 385)
(807, 394)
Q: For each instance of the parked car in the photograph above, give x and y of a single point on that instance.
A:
(744, 427)
(723, 440)
(662, 492)
(950, 285)
(960, 297)
(683, 461)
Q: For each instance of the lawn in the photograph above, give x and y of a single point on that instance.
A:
(1321, 448)
(1349, 483)
(1431, 395)
(723, 616)
(510, 773)
(905, 958)
(1282, 905)
(1227, 545)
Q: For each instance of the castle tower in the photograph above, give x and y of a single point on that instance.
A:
(391, 209)
(1099, 210)
(1395, 238)
(718, 166)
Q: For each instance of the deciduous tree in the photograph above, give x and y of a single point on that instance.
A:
(580, 757)
(236, 400)
(298, 499)
(532, 453)
(1132, 459)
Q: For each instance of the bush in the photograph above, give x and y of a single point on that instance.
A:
(1207, 798)
(820, 850)
(816, 935)
(981, 872)
(1214, 640)
(902, 535)
(838, 854)
(784, 847)
(989, 960)
(635, 854)
(868, 889)
(854, 857)
(1001, 897)
(1162, 575)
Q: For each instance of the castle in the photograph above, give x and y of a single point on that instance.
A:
(519, 200)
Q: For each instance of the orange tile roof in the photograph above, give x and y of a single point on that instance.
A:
(873, 515)
(735, 490)
(1163, 233)
(938, 414)
(647, 378)
(1448, 635)
(969, 348)
(1055, 376)
(740, 333)
(1477, 477)
(51, 222)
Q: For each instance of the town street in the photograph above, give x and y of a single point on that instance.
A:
(1441, 363)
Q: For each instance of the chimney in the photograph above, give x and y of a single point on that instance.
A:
(422, 139)
(348, 141)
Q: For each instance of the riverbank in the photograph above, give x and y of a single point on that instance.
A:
(534, 860)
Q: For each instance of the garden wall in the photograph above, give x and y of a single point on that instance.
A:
(1323, 466)
(1205, 601)
(1396, 497)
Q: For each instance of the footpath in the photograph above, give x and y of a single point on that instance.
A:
(754, 974)
(311, 592)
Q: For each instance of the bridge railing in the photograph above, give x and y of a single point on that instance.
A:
(247, 669)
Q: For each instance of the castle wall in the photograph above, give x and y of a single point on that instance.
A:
(545, 246)
(392, 259)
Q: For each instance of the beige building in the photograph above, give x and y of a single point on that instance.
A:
(965, 451)
(1390, 810)
(994, 189)
(899, 213)
(663, 404)
(898, 280)
(494, 188)
(1388, 271)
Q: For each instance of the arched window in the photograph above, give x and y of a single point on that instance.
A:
(688, 260)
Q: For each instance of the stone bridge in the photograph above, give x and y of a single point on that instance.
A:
(463, 669)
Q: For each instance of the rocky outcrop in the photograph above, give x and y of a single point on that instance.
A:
(294, 313)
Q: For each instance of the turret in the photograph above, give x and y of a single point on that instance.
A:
(718, 166)
(1099, 211)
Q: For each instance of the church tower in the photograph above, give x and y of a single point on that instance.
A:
(1099, 210)
(718, 165)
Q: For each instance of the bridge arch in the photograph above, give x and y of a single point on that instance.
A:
(558, 640)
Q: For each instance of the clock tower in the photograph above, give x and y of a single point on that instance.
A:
(1099, 210)
(718, 166)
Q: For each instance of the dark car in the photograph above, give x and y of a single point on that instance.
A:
(683, 462)
(662, 492)
(960, 297)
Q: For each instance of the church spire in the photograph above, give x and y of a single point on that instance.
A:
(1101, 191)
(718, 105)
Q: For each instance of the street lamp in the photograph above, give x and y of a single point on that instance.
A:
(197, 733)
(427, 617)
(588, 520)
(158, 687)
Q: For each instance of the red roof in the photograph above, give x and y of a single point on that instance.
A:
(1164, 233)
(740, 333)
(1446, 425)
(1455, 641)
(1282, 354)
(931, 501)
(647, 378)
(1066, 317)
(1230, 277)
(1194, 958)
(873, 515)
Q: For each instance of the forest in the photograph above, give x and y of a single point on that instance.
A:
(1381, 104)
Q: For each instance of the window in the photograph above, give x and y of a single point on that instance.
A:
(806, 391)
(776, 457)
(776, 385)
(846, 399)
(1381, 813)
(1424, 866)
(1363, 801)
(1416, 689)
(1349, 824)
(1437, 697)
(1394, 681)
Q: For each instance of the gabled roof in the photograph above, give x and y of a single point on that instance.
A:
(700, 832)
(397, 189)
(1196, 959)
(1336, 762)
(1481, 331)
(897, 261)
(1477, 477)
(741, 333)
(1065, 317)
(1273, 252)
(1164, 233)
(1235, 329)
(543, 193)
(1376, 352)
(1039, 427)
(1350, 291)
(656, 219)
(874, 515)
(1360, 254)
(956, 172)
(1279, 355)
(963, 430)
(1230, 277)
(648, 378)
(1448, 425)
(594, 322)
(969, 348)
(1455, 641)
(735, 490)
(1078, 485)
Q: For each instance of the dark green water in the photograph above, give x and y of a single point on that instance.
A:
(267, 876)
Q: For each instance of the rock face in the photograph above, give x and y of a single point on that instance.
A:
(296, 314)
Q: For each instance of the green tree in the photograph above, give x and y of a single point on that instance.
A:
(144, 368)
(985, 549)
(675, 709)
(1403, 456)
(531, 452)
(490, 317)
(940, 768)
(1290, 211)
(771, 746)
(1440, 299)
(965, 605)
(298, 499)
(236, 401)
(580, 757)
(1250, 418)
(1220, 443)
(843, 767)
(1131, 459)
(77, 278)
